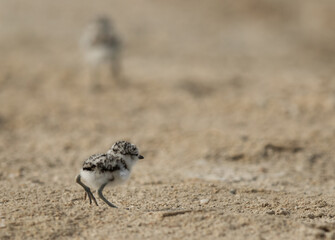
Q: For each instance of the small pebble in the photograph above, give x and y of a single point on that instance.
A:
(204, 201)
(233, 191)
(2, 223)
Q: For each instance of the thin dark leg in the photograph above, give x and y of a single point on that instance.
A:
(115, 70)
(87, 190)
(95, 78)
(103, 198)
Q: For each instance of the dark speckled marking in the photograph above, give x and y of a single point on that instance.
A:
(104, 163)
(125, 148)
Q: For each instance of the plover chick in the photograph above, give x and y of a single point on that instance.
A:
(102, 47)
(108, 169)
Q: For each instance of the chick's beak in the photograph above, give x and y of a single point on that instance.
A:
(140, 157)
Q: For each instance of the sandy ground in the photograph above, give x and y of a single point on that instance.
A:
(232, 103)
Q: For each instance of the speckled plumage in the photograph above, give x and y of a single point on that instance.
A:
(102, 163)
(110, 168)
(123, 148)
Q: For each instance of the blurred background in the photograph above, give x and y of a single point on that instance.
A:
(220, 71)
(202, 78)
(241, 92)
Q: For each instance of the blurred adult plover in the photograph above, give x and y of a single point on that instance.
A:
(102, 47)
(110, 168)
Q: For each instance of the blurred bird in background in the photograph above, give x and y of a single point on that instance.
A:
(101, 48)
